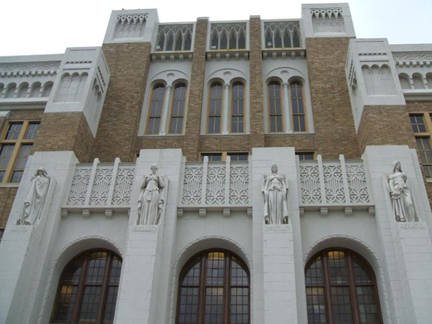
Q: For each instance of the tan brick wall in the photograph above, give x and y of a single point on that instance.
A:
(118, 127)
(418, 106)
(385, 125)
(7, 197)
(332, 114)
(256, 84)
(225, 144)
(196, 89)
(143, 142)
(303, 142)
(65, 132)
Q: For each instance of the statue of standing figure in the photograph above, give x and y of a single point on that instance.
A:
(151, 200)
(400, 193)
(275, 191)
(35, 198)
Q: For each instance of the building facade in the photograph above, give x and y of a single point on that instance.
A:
(259, 171)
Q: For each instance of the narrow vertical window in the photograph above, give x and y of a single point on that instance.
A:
(275, 109)
(237, 118)
(215, 108)
(155, 112)
(177, 111)
(16, 147)
(421, 125)
(298, 111)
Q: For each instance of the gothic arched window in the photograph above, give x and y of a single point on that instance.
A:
(341, 288)
(275, 106)
(215, 108)
(214, 287)
(177, 109)
(237, 108)
(298, 106)
(156, 105)
(88, 287)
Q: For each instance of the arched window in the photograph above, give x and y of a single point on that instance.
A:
(237, 108)
(177, 111)
(155, 109)
(341, 288)
(298, 109)
(275, 108)
(88, 287)
(214, 288)
(215, 108)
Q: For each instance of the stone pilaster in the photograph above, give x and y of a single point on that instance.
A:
(147, 268)
(27, 248)
(406, 247)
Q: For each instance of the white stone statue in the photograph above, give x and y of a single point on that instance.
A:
(150, 201)
(400, 193)
(35, 198)
(275, 191)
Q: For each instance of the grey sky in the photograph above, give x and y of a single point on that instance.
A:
(48, 27)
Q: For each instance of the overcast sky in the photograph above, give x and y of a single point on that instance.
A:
(48, 27)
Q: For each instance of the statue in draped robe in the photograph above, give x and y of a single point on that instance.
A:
(35, 198)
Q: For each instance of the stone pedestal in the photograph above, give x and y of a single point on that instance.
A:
(140, 275)
(280, 301)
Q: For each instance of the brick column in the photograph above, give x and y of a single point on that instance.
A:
(256, 84)
(333, 119)
(193, 122)
(385, 125)
(118, 127)
(68, 131)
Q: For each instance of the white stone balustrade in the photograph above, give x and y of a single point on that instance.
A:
(100, 187)
(333, 184)
(216, 185)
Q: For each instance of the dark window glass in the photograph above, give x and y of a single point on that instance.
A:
(298, 111)
(32, 130)
(177, 111)
(88, 289)
(155, 112)
(425, 151)
(214, 286)
(305, 155)
(239, 156)
(417, 123)
(212, 157)
(214, 122)
(237, 118)
(14, 131)
(275, 108)
(337, 283)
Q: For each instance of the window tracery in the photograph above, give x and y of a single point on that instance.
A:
(341, 288)
(282, 34)
(228, 36)
(214, 287)
(88, 288)
(174, 38)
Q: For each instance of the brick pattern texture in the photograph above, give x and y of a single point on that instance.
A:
(332, 114)
(118, 127)
(385, 125)
(65, 132)
(256, 84)
(193, 122)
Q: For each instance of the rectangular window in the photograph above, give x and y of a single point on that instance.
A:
(422, 126)
(275, 107)
(305, 156)
(237, 118)
(215, 108)
(16, 147)
(215, 157)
